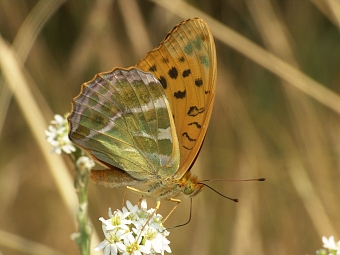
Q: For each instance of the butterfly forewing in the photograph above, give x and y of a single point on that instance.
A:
(123, 119)
(185, 65)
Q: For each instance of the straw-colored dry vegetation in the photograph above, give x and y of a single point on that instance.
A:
(276, 115)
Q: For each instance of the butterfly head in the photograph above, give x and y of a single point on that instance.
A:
(191, 185)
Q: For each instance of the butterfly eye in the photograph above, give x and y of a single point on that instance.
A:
(192, 188)
(189, 188)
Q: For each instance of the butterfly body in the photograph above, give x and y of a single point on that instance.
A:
(146, 124)
(155, 186)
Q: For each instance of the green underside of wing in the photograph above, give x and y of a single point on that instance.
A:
(122, 119)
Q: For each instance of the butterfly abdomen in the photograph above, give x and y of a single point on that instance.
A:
(113, 178)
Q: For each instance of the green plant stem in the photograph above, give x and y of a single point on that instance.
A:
(83, 236)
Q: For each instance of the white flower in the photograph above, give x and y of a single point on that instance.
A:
(131, 246)
(134, 231)
(118, 220)
(111, 242)
(157, 241)
(331, 245)
(85, 164)
(57, 135)
(130, 208)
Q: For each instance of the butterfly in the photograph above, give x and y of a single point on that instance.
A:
(146, 123)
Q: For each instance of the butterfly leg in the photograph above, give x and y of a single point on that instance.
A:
(173, 209)
(124, 196)
(137, 190)
(152, 214)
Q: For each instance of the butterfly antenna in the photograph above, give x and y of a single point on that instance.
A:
(244, 180)
(232, 199)
(222, 180)
(181, 225)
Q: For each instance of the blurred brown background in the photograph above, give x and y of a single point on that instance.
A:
(261, 126)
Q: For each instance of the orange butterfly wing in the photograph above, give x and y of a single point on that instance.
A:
(185, 64)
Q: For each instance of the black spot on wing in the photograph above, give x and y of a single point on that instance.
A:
(165, 60)
(198, 82)
(194, 111)
(180, 94)
(207, 92)
(195, 123)
(153, 68)
(162, 80)
(186, 73)
(187, 148)
(173, 73)
(189, 138)
(181, 59)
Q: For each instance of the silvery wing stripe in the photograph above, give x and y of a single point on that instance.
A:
(164, 134)
(162, 158)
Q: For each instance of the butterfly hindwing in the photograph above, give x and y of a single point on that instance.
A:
(185, 65)
(123, 119)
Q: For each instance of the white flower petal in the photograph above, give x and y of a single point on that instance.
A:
(114, 249)
(121, 246)
(144, 204)
(124, 209)
(101, 246)
(57, 150)
(124, 215)
(110, 212)
(58, 118)
(146, 248)
(129, 238)
(107, 250)
(68, 148)
(129, 205)
(166, 248)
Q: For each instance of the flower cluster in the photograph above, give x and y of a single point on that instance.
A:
(57, 136)
(332, 247)
(134, 231)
